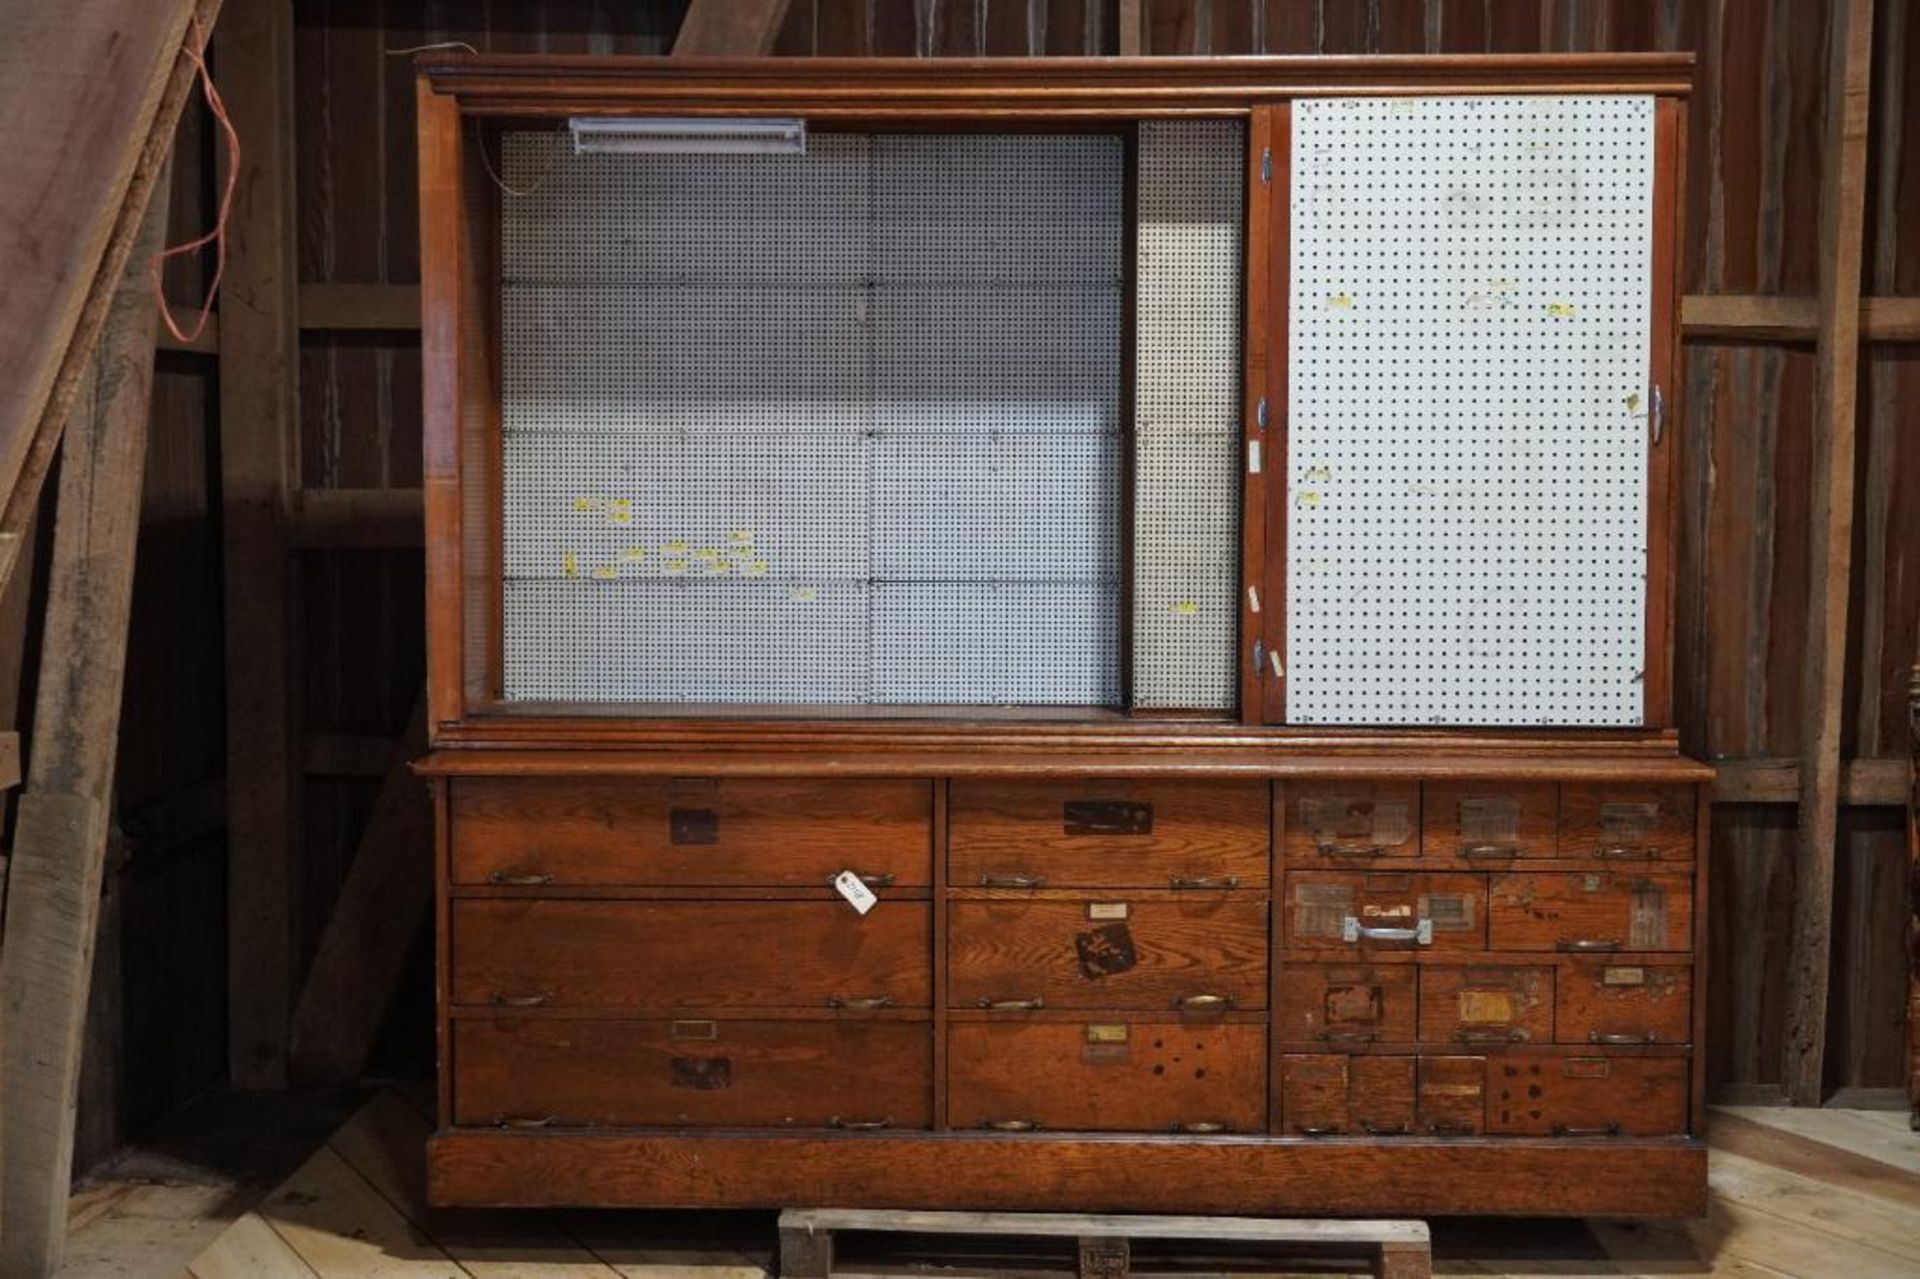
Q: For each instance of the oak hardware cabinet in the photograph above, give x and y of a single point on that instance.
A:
(1061, 635)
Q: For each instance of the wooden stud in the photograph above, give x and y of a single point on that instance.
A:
(1830, 548)
(371, 518)
(730, 28)
(59, 852)
(360, 306)
(259, 363)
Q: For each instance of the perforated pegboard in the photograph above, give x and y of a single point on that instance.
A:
(1468, 385)
(1187, 394)
(834, 428)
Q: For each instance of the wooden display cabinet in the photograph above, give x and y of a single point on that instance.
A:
(1240, 957)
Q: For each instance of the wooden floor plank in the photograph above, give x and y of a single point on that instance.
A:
(1873, 1222)
(250, 1249)
(1839, 1169)
(1865, 1132)
(344, 1229)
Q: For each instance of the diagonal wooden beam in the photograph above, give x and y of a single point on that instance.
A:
(54, 879)
(730, 28)
(1830, 549)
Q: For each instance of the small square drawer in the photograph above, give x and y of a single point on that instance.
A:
(1591, 912)
(1626, 824)
(1453, 1096)
(1158, 1075)
(1194, 951)
(1351, 911)
(1336, 1095)
(574, 1072)
(1486, 1004)
(1606, 1003)
(1537, 1094)
(1345, 1003)
(710, 832)
(541, 952)
(1108, 833)
(1350, 823)
(1489, 823)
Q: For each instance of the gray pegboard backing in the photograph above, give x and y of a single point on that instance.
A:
(1468, 394)
(1189, 308)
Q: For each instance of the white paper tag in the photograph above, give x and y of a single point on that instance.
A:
(855, 890)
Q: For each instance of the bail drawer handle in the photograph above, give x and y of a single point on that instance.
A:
(1622, 853)
(1511, 1035)
(882, 880)
(1587, 945)
(1204, 1003)
(1488, 852)
(869, 1001)
(1352, 930)
(1204, 881)
(1351, 850)
(1349, 1036)
(1010, 1125)
(519, 879)
(1604, 1130)
(1308, 1131)
(1201, 1126)
(538, 999)
(1621, 1040)
(1451, 1130)
(1011, 1005)
(860, 1125)
(1384, 1130)
(525, 1121)
(1012, 881)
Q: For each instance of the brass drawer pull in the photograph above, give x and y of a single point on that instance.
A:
(882, 880)
(1012, 881)
(1351, 850)
(519, 879)
(1383, 1130)
(1306, 1131)
(870, 1001)
(1587, 945)
(1450, 1130)
(535, 1000)
(1205, 881)
(1012, 1005)
(1202, 1126)
(525, 1121)
(1487, 852)
(1601, 1037)
(1350, 1036)
(1605, 1130)
(1621, 853)
(1204, 1003)
(1011, 1125)
(1512, 1035)
(860, 1125)
(1352, 930)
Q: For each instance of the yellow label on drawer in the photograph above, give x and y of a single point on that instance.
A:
(1106, 910)
(1107, 1032)
(1486, 1007)
(1614, 975)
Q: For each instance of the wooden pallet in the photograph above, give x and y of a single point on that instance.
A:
(1395, 1249)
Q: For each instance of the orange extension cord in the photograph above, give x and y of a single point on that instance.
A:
(195, 50)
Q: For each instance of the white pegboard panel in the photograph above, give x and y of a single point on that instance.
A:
(1188, 316)
(1467, 432)
(996, 643)
(981, 506)
(623, 504)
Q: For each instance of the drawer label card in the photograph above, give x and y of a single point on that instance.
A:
(1628, 823)
(696, 1030)
(1107, 1032)
(1320, 910)
(1105, 951)
(1617, 975)
(1106, 910)
(1492, 819)
(850, 886)
(1106, 817)
(702, 1074)
(1482, 1006)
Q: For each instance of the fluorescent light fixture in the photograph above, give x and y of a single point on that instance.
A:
(683, 135)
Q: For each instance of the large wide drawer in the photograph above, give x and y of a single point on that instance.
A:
(1132, 1076)
(1561, 1096)
(732, 831)
(1108, 833)
(1385, 910)
(1590, 912)
(580, 1072)
(1190, 950)
(680, 954)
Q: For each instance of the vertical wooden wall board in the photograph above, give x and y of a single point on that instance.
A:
(59, 850)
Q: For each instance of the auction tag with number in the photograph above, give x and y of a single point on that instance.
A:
(855, 890)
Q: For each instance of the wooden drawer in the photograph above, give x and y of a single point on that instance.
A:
(1590, 911)
(576, 1072)
(1349, 823)
(1489, 823)
(1486, 1004)
(1627, 823)
(1197, 950)
(1604, 1003)
(705, 832)
(1345, 1003)
(1139, 1076)
(1108, 834)
(1335, 1095)
(1382, 910)
(1453, 1096)
(680, 954)
(1540, 1095)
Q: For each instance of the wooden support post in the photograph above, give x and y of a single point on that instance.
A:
(382, 908)
(1830, 548)
(53, 902)
(730, 28)
(259, 361)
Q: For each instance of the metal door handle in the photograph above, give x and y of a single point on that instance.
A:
(1011, 1125)
(870, 1001)
(1205, 881)
(1605, 1130)
(1203, 1003)
(1012, 1005)
(534, 1000)
(1352, 930)
(1202, 1126)
(1600, 1037)
(1587, 944)
(1487, 852)
(860, 1125)
(519, 879)
(1012, 881)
